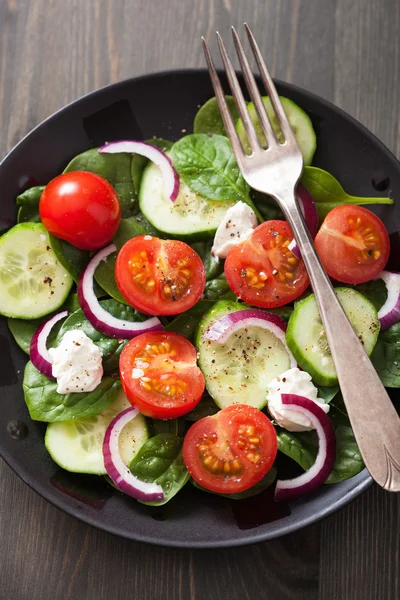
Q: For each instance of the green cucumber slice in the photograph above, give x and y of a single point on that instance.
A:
(306, 338)
(238, 371)
(76, 445)
(298, 119)
(189, 217)
(32, 281)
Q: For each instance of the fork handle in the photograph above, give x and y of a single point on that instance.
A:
(374, 420)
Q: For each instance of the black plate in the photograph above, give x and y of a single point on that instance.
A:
(164, 104)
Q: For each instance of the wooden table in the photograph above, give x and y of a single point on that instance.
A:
(53, 51)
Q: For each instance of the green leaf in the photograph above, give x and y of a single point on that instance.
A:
(218, 289)
(207, 165)
(327, 192)
(266, 206)
(292, 446)
(208, 118)
(28, 202)
(259, 487)
(110, 347)
(72, 259)
(105, 272)
(186, 323)
(386, 356)
(23, 331)
(173, 426)
(327, 393)
(205, 408)
(160, 461)
(45, 404)
(139, 163)
(115, 168)
(212, 265)
(375, 291)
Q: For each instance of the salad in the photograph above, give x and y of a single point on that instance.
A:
(172, 334)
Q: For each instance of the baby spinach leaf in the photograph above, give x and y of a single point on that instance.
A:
(105, 272)
(266, 206)
(327, 192)
(110, 347)
(207, 165)
(28, 202)
(259, 487)
(212, 265)
(115, 168)
(139, 163)
(160, 461)
(290, 444)
(23, 331)
(72, 259)
(327, 393)
(218, 289)
(208, 118)
(45, 404)
(186, 323)
(386, 356)
(205, 408)
(375, 291)
(174, 426)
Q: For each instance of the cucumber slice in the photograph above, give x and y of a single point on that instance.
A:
(298, 119)
(238, 371)
(32, 281)
(76, 445)
(189, 217)
(306, 338)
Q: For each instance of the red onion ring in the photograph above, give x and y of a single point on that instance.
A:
(389, 313)
(290, 489)
(224, 327)
(38, 352)
(310, 215)
(157, 156)
(102, 320)
(117, 469)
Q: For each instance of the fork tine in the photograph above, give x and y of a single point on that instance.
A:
(238, 96)
(253, 90)
(223, 106)
(271, 89)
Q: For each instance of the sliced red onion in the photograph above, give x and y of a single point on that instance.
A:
(290, 489)
(38, 352)
(117, 469)
(389, 313)
(222, 329)
(157, 156)
(310, 215)
(102, 320)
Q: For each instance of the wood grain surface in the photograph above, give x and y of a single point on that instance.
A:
(53, 51)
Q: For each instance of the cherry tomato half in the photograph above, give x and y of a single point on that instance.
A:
(159, 277)
(262, 271)
(353, 244)
(232, 450)
(81, 208)
(160, 376)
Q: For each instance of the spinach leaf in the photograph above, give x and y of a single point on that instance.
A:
(23, 331)
(72, 259)
(72, 303)
(173, 426)
(266, 206)
(205, 408)
(208, 118)
(115, 168)
(28, 202)
(282, 311)
(186, 323)
(294, 447)
(212, 265)
(386, 356)
(375, 291)
(139, 163)
(160, 461)
(207, 165)
(110, 347)
(327, 393)
(327, 192)
(218, 289)
(45, 404)
(105, 272)
(259, 487)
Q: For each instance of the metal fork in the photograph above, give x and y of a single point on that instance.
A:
(276, 171)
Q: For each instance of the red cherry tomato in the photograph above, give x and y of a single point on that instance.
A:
(81, 208)
(159, 277)
(160, 376)
(353, 244)
(262, 271)
(232, 450)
